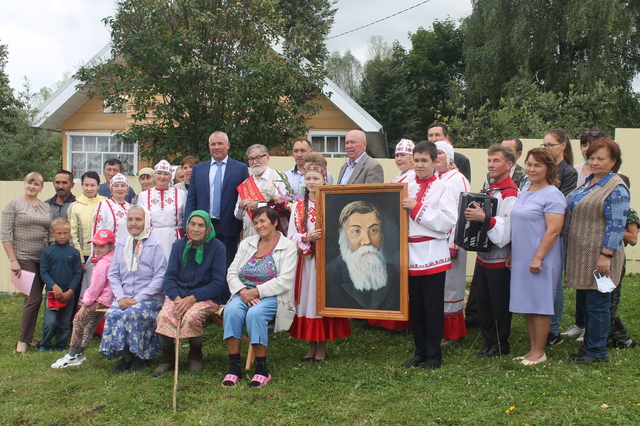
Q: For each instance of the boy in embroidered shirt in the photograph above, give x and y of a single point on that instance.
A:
(97, 296)
(432, 214)
(61, 271)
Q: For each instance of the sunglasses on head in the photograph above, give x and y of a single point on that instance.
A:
(593, 133)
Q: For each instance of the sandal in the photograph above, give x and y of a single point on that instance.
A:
(258, 381)
(230, 381)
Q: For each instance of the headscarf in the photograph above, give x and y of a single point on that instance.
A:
(447, 148)
(134, 245)
(211, 234)
(405, 146)
(119, 178)
(163, 166)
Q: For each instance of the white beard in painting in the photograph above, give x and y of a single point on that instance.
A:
(367, 265)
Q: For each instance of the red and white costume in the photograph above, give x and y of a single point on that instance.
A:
(167, 214)
(454, 287)
(307, 325)
(500, 226)
(112, 216)
(431, 220)
(407, 176)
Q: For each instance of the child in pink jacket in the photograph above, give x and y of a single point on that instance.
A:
(97, 296)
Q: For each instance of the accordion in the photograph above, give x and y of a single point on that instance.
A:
(472, 236)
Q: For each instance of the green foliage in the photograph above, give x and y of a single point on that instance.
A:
(189, 67)
(385, 94)
(23, 148)
(346, 71)
(555, 44)
(530, 112)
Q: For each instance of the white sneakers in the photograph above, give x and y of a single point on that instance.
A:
(69, 361)
(574, 331)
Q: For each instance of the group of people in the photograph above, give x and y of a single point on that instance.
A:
(161, 262)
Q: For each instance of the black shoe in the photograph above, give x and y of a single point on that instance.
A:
(585, 359)
(621, 345)
(136, 365)
(415, 361)
(122, 366)
(554, 340)
(483, 351)
(432, 364)
(496, 351)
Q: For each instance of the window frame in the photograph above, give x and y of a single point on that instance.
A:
(70, 152)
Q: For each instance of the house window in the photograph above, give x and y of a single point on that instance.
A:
(329, 144)
(88, 152)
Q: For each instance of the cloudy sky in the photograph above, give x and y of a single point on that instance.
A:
(47, 38)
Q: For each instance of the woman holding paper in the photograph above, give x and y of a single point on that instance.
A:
(596, 217)
(25, 233)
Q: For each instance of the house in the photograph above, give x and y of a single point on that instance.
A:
(88, 129)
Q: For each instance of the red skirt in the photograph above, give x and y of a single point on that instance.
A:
(319, 329)
(454, 326)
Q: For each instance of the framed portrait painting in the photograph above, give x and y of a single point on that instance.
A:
(362, 259)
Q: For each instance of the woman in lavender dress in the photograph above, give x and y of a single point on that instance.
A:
(535, 260)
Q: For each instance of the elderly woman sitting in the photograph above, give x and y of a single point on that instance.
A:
(136, 277)
(261, 281)
(195, 286)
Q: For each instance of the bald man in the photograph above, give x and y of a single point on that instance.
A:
(359, 167)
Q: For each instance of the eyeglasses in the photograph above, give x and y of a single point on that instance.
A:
(550, 145)
(256, 158)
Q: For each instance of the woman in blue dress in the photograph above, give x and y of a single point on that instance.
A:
(535, 260)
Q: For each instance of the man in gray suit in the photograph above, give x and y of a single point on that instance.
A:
(359, 168)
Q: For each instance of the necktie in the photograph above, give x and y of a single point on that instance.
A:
(217, 190)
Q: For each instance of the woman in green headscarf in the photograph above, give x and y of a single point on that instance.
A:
(195, 285)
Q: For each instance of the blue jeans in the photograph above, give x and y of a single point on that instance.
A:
(257, 317)
(597, 322)
(558, 302)
(57, 324)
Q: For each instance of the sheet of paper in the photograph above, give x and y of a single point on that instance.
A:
(25, 281)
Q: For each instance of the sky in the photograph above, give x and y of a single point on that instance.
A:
(48, 38)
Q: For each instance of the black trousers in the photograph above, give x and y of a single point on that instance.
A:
(493, 290)
(426, 300)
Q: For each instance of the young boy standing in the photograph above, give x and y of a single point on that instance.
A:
(97, 296)
(432, 214)
(61, 271)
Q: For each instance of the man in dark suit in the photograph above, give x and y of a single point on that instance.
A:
(439, 132)
(220, 172)
(359, 168)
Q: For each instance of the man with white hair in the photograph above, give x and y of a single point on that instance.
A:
(360, 277)
(256, 191)
(359, 167)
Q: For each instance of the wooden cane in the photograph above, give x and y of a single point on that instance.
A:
(175, 367)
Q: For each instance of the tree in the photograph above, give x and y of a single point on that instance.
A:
(8, 104)
(434, 68)
(557, 45)
(530, 112)
(188, 67)
(24, 148)
(385, 94)
(346, 71)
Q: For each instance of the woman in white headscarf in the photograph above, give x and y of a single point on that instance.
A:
(454, 286)
(136, 277)
(166, 205)
(111, 214)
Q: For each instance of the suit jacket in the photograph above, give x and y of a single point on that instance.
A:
(368, 170)
(200, 194)
(340, 292)
(463, 164)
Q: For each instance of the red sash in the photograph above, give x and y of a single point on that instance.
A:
(248, 190)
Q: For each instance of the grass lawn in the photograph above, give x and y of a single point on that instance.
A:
(361, 384)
